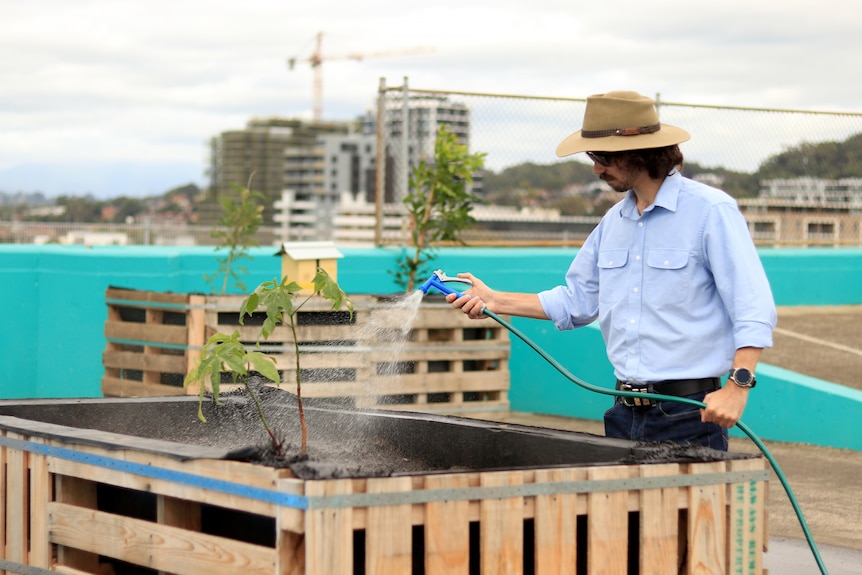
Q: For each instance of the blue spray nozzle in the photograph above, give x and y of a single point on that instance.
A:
(438, 281)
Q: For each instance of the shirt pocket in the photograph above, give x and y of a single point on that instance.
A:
(612, 274)
(667, 276)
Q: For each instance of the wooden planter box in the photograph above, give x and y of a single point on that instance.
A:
(446, 363)
(566, 502)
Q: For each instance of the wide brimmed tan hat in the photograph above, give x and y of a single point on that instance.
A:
(620, 121)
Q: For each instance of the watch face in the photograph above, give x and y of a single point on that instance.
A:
(742, 376)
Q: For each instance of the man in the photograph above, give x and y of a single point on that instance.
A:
(670, 272)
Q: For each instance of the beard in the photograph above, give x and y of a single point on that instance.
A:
(619, 186)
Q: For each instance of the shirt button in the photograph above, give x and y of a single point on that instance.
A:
(632, 352)
(638, 258)
(666, 262)
(635, 290)
(640, 224)
(631, 321)
(610, 263)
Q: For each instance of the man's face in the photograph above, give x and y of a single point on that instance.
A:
(608, 167)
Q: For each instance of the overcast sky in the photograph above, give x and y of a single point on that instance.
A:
(120, 96)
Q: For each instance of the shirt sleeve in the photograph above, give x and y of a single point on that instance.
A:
(576, 303)
(739, 276)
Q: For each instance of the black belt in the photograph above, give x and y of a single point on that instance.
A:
(675, 387)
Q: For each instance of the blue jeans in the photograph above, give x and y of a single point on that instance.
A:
(666, 421)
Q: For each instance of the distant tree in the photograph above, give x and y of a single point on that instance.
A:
(80, 209)
(827, 160)
(508, 187)
(127, 208)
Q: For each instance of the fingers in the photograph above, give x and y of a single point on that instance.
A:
(470, 305)
(719, 412)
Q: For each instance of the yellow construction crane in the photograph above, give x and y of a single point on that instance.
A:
(317, 58)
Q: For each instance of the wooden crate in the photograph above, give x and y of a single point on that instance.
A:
(69, 506)
(446, 362)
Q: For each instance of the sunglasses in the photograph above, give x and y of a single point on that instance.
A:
(602, 158)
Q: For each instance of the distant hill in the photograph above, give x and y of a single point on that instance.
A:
(99, 180)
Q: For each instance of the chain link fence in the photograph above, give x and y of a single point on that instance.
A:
(734, 148)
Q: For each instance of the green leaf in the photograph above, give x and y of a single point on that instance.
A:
(265, 365)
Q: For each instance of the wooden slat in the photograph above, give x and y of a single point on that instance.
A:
(441, 353)
(329, 532)
(115, 387)
(41, 493)
(501, 527)
(152, 298)
(707, 523)
(156, 546)
(388, 534)
(556, 525)
(746, 522)
(447, 529)
(607, 525)
(134, 331)
(17, 507)
(252, 475)
(144, 361)
(80, 493)
(659, 522)
(197, 337)
(178, 513)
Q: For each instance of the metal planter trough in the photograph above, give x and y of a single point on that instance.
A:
(141, 486)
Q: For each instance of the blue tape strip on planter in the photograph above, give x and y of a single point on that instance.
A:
(229, 487)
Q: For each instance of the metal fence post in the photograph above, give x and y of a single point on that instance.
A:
(380, 164)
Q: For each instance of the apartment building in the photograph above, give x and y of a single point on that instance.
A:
(806, 212)
(260, 149)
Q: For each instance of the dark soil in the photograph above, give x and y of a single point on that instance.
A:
(343, 442)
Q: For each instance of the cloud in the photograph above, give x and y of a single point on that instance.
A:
(100, 81)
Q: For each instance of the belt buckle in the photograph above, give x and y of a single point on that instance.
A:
(637, 401)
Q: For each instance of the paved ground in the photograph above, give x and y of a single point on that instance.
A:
(820, 342)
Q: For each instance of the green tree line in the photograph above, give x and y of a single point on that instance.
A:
(526, 184)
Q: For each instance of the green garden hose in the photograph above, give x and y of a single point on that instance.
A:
(655, 396)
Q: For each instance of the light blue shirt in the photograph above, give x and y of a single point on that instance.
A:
(677, 290)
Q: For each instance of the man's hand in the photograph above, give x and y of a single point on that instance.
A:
(725, 406)
(474, 300)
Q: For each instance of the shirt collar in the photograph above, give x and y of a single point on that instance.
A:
(667, 197)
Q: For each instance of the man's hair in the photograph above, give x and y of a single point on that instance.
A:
(657, 162)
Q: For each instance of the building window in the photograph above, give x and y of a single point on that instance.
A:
(761, 228)
(821, 231)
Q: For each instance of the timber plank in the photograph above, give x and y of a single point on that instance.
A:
(746, 521)
(447, 529)
(659, 522)
(556, 524)
(329, 532)
(707, 512)
(157, 546)
(607, 524)
(388, 539)
(501, 535)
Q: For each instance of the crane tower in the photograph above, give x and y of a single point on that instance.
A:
(317, 58)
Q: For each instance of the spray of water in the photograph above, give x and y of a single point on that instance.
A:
(382, 333)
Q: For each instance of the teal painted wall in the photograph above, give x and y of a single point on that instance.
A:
(52, 337)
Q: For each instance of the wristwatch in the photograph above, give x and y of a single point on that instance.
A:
(742, 377)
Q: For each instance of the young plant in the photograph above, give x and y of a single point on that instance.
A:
(278, 301)
(239, 224)
(438, 203)
(227, 353)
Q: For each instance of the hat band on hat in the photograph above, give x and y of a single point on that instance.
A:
(621, 131)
